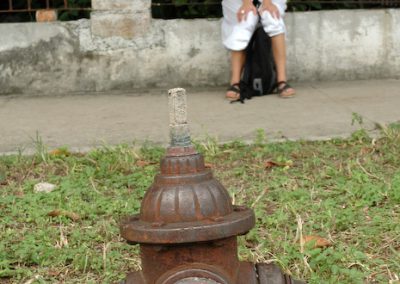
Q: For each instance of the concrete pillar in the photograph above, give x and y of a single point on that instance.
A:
(120, 18)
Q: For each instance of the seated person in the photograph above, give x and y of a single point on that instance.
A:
(239, 23)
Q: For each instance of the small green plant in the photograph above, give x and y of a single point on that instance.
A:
(394, 190)
(209, 146)
(41, 148)
(356, 118)
(261, 137)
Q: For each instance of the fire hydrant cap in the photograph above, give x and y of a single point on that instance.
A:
(186, 204)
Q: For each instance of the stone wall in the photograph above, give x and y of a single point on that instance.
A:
(121, 47)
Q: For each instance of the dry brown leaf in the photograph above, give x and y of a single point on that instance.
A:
(54, 213)
(366, 150)
(208, 165)
(270, 164)
(250, 244)
(60, 152)
(295, 156)
(141, 163)
(71, 215)
(53, 273)
(319, 242)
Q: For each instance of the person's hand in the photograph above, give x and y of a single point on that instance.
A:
(245, 9)
(270, 7)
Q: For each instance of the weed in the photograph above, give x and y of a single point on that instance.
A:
(209, 147)
(41, 149)
(260, 138)
(356, 118)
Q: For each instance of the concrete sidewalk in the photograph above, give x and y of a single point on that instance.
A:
(82, 121)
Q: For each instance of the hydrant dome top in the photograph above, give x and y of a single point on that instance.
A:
(186, 204)
(185, 192)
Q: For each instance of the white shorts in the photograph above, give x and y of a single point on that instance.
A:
(236, 35)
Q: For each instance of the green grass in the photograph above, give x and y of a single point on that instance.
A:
(345, 191)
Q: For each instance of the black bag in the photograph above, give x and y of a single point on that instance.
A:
(259, 75)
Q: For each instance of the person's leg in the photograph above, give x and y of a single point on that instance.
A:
(235, 37)
(275, 28)
(237, 62)
(279, 51)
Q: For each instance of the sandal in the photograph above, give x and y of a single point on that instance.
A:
(282, 89)
(236, 90)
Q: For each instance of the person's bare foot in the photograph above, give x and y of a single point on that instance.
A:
(284, 90)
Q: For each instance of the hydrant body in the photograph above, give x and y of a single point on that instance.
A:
(187, 227)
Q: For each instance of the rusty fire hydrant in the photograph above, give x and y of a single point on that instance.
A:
(187, 227)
